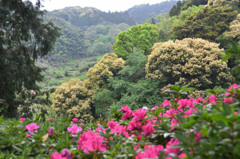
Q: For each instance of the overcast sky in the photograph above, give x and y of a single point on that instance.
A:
(104, 5)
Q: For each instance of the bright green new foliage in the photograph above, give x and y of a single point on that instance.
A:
(141, 37)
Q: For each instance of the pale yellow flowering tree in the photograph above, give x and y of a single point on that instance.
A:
(189, 61)
(109, 66)
(73, 99)
(234, 32)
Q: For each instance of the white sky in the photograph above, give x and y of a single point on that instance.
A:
(104, 5)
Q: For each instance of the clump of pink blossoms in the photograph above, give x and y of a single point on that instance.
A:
(22, 119)
(75, 120)
(31, 127)
(74, 129)
(90, 142)
(64, 155)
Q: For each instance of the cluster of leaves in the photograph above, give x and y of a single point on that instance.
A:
(128, 87)
(23, 38)
(140, 37)
(181, 128)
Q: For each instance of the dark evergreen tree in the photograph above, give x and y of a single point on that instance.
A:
(23, 38)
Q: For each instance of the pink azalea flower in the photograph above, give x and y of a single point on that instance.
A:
(174, 123)
(199, 99)
(234, 86)
(50, 130)
(67, 154)
(56, 155)
(139, 115)
(119, 129)
(74, 129)
(185, 102)
(212, 99)
(112, 124)
(127, 115)
(170, 149)
(189, 112)
(182, 155)
(166, 103)
(197, 136)
(64, 155)
(127, 112)
(75, 120)
(28, 135)
(228, 100)
(22, 119)
(125, 108)
(170, 113)
(235, 113)
(154, 108)
(31, 127)
(51, 119)
(134, 125)
(148, 129)
(150, 152)
(90, 141)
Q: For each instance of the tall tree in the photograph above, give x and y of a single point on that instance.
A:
(208, 23)
(140, 37)
(23, 38)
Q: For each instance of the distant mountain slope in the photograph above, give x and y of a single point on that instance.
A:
(145, 11)
(85, 17)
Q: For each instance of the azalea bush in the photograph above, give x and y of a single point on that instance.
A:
(180, 127)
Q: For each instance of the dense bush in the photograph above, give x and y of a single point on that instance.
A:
(181, 128)
(109, 66)
(74, 100)
(234, 32)
(140, 37)
(208, 23)
(193, 61)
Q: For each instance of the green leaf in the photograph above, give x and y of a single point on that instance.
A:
(226, 57)
(226, 109)
(187, 89)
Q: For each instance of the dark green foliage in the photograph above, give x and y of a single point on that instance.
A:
(190, 3)
(129, 88)
(208, 23)
(233, 54)
(176, 9)
(140, 13)
(70, 44)
(185, 4)
(102, 102)
(23, 38)
(145, 92)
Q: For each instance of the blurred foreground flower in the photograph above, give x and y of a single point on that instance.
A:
(31, 127)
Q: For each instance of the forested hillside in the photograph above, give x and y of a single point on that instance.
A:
(142, 12)
(88, 32)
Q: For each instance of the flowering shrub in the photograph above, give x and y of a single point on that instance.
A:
(177, 128)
